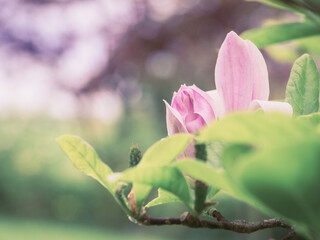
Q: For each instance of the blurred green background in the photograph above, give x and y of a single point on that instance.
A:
(100, 69)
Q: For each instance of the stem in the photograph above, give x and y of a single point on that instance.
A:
(188, 220)
(201, 188)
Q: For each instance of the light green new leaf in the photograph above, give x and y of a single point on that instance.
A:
(266, 36)
(84, 158)
(232, 154)
(214, 151)
(257, 129)
(160, 153)
(313, 119)
(212, 192)
(165, 177)
(163, 198)
(310, 44)
(141, 192)
(205, 173)
(166, 150)
(285, 178)
(303, 86)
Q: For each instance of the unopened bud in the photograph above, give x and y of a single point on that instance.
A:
(135, 155)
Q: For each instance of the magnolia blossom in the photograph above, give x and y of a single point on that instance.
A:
(241, 78)
(191, 108)
(242, 83)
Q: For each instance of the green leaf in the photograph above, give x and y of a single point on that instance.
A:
(255, 128)
(212, 192)
(141, 192)
(314, 4)
(285, 178)
(166, 150)
(203, 172)
(312, 119)
(308, 8)
(232, 154)
(303, 86)
(214, 154)
(163, 198)
(278, 4)
(266, 36)
(160, 153)
(166, 177)
(271, 161)
(310, 44)
(84, 158)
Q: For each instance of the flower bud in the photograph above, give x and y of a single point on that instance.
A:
(190, 110)
(135, 155)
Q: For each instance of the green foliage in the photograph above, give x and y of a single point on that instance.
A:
(309, 8)
(310, 27)
(168, 178)
(310, 44)
(166, 150)
(141, 192)
(160, 153)
(312, 119)
(163, 198)
(204, 173)
(255, 129)
(303, 86)
(271, 162)
(290, 5)
(151, 171)
(266, 36)
(212, 192)
(84, 158)
(268, 160)
(283, 178)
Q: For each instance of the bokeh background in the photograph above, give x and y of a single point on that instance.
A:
(100, 69)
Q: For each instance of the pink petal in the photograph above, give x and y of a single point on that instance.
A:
(190, 100)
(260, 89)
(182, 101)
(194, 122)
(174, 121)
(269, 106)
(241, 73)
(202, 104)
(216, 103)
(233, 73)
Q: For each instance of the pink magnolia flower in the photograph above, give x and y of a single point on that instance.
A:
(241, 78)
(191, 109)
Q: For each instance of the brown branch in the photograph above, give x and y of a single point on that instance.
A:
(218, 216)
(187, 219)
(289, 236)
